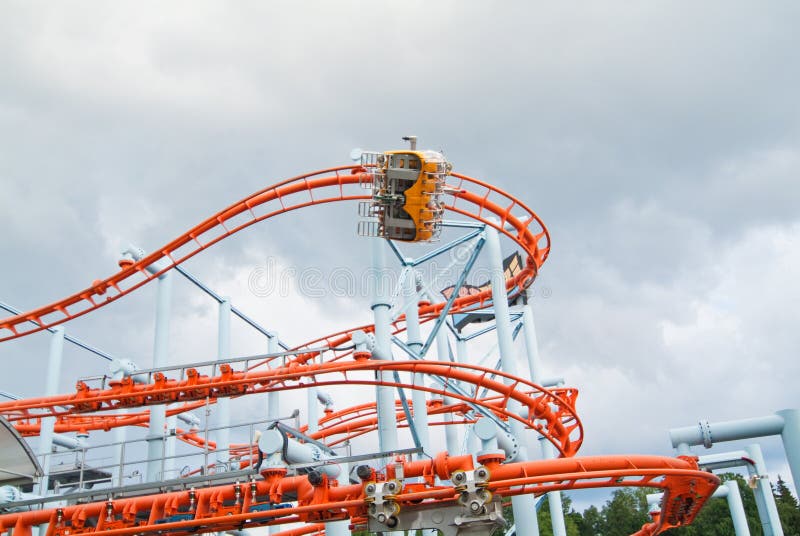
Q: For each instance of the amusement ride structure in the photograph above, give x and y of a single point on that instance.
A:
(494, 417)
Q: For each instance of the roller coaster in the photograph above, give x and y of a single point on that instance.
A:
(284, 474)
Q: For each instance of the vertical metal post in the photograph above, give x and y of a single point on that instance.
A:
(51, 388)
(387, 418)
(524, 506)
(532, 352)
(223, 413)
(450, 431)
(313, 410)
(737, 509)
(155, 435)
(339, 528)
(273, 401)
(170, 446)
(414, 339)
(765, 501)
(120, 435)
(791, 442)
(462, 356)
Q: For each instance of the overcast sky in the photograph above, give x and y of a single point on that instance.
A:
(657, 140)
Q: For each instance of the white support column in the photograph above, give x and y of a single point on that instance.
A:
(450, 431)
(524, 506)
(414, 341)
(51, 388)
(273, 401)
(313, 410)
(791, 442)
(462, 356)
(339, 528)
(155, 436)
(532, 352)
(387, 417)
(765, 500)
(737, 508)
(223, 414)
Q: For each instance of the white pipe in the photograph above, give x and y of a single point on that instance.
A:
(273, 401)
(47, 428)
(705, 433)
(313, 410)
(790, 435)
(524, 506)
(223, 413)
(450, 430)
(737, 508)
(414, 340)
(534, 369)
(155, 438)
(765, 500)
(462, 356)
(272, 441)
(340, 528)
(387, 418)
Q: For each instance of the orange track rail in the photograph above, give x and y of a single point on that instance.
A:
(228, 507)
(485, 205)
(551, 413)
(561, 425)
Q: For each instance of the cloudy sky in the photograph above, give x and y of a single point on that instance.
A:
(657, 140)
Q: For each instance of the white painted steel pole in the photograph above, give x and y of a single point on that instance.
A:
(791, 442)
(737, 508)
(532, 353)
(414, 341)
(155, 435)
(313, 410)
(765, 500)
(223, 421)
(450, 431)
(462, 356)
(524, 506)
(273, 400)
(47, 429)
(340, 528)
(387, 418)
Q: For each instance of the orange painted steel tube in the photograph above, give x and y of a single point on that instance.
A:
(679, 477)
(110, 289)
(561, 426)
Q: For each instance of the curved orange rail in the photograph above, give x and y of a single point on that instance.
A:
(552, 415)
(229, 507)
(489, 205)
(220, 508)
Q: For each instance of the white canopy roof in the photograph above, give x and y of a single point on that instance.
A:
(18, 464)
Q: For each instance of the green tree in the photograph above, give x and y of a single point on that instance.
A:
(625, 512)
(788, 509)
(570, 522)
(591, 522)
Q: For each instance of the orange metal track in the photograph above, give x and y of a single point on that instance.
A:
(228, 507)
(552, 415)
(485, 205)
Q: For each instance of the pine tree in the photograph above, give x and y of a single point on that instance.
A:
(788, 509)
(625, 512)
